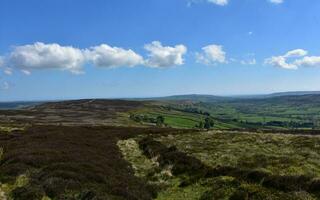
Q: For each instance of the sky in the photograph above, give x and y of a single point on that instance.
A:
(70, 49)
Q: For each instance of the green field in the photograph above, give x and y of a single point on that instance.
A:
(287, 112)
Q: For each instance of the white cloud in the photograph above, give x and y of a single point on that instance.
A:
(276, 1)
(46, 56)
(38, 56)
(280, 61)
(211, 55)
(308, 61)
(219, 2)
(164, 56)
(296, 53)
(300, 60)
(107, 56)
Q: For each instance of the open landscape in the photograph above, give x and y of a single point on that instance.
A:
(181, 147)
(159, 100)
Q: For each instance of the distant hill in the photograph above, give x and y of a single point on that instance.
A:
(190, 97)
(277, 94)
(72, 112)
(214, 98)
(301, 108)
(18, 104)
(297, 93)
(187, 97)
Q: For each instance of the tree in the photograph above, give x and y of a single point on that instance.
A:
(208, 123)
(160, 120)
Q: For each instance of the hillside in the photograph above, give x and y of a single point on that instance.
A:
(279, 112)
(120, 163)
(94, 149)
(74, 112)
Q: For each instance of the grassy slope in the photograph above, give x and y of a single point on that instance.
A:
(286, 108)
(175, 119)
(275, 153)
(227, 112)
(278, 156)
(242, 113)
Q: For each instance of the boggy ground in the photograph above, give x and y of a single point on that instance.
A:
(57, 162)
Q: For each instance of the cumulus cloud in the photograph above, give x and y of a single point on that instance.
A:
(46, 56)
(164, 56)
(280, 61)
(39, 56)
(276, 1)
(211, 54)
(308, 61)
(107, 56)
(300, 59)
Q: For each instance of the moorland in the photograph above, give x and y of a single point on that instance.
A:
(178, 147)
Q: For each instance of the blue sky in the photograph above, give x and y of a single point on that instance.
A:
(63, 49)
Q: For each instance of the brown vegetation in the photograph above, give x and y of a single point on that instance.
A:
(72, 163)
